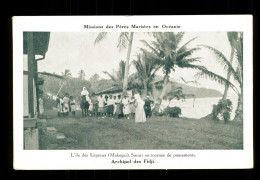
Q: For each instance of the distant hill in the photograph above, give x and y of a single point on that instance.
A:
(198, 92)
(74, 86)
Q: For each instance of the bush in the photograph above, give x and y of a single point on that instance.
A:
(222, 110)
(48, 103)
(173, 111)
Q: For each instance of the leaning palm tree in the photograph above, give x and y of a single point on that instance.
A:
(232, 37)
(235, 72)
(167, 51)
(146, 69)
(125, 39)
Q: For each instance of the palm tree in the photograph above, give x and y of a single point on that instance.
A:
(125, 39)
(82, 74)
(146, 69)
(236, 73)
(118, 76)
(232, 37)
(167, 51)
(94, 81)
(66, 73)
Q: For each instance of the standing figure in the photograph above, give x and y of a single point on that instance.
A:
(132, 107)
(126, 108)
(139, 111)
(114, 105)
(66, 106)
(90, 106)
(73, 106)
(94, 105)
(118, 103)
(110, 106)
(84, 102)
(84, 105)
(41, 109)
(58, 105)
(147, 107)
(100, 105)
(62, 106)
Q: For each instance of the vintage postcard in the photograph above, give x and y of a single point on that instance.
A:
(133, 92)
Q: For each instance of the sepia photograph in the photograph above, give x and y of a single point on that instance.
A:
(122, 93)
(127, 90)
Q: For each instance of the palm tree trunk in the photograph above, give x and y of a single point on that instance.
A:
(165, 83)
(127, 62)
(228, 75)
(145, 90)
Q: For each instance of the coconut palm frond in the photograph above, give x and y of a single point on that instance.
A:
(185, 54)
(112, 77)
(140, 68)
(224, 62)
(204, 73)
(154, 50)
(188, 61)
(150, 55)
(185, 45)
(232, 38)
(123, 40)
(101, 36)
(179, 37)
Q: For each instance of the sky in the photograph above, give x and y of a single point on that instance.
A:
(76, 51)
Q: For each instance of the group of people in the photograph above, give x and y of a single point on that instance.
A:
(114, 106)
(66, 104)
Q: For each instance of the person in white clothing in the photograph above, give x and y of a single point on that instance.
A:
(73, 106)
(41, 109)
(126, 107)
(84, 92)
(100, 105)
(139, 111)
(66, 106)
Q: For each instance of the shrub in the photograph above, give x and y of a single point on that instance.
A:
(222, 110)
(48, 103)
(173, 111)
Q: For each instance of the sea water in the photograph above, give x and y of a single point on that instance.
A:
(201, 107)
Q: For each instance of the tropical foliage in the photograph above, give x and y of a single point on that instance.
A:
(173, 111)
(146, 69)
(82, 74)
(117, 76)
(125, 39)
(235, 72)
(66, 73)
(166, 49)
(222, 110)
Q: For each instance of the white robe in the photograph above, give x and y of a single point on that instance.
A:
(126, 109)
(139, 110)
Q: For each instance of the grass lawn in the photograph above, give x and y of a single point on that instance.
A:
(156, 133)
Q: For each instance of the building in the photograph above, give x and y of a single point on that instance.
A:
(35, 46)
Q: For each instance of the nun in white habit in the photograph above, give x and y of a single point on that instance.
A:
(84, 92)
(139, 110)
